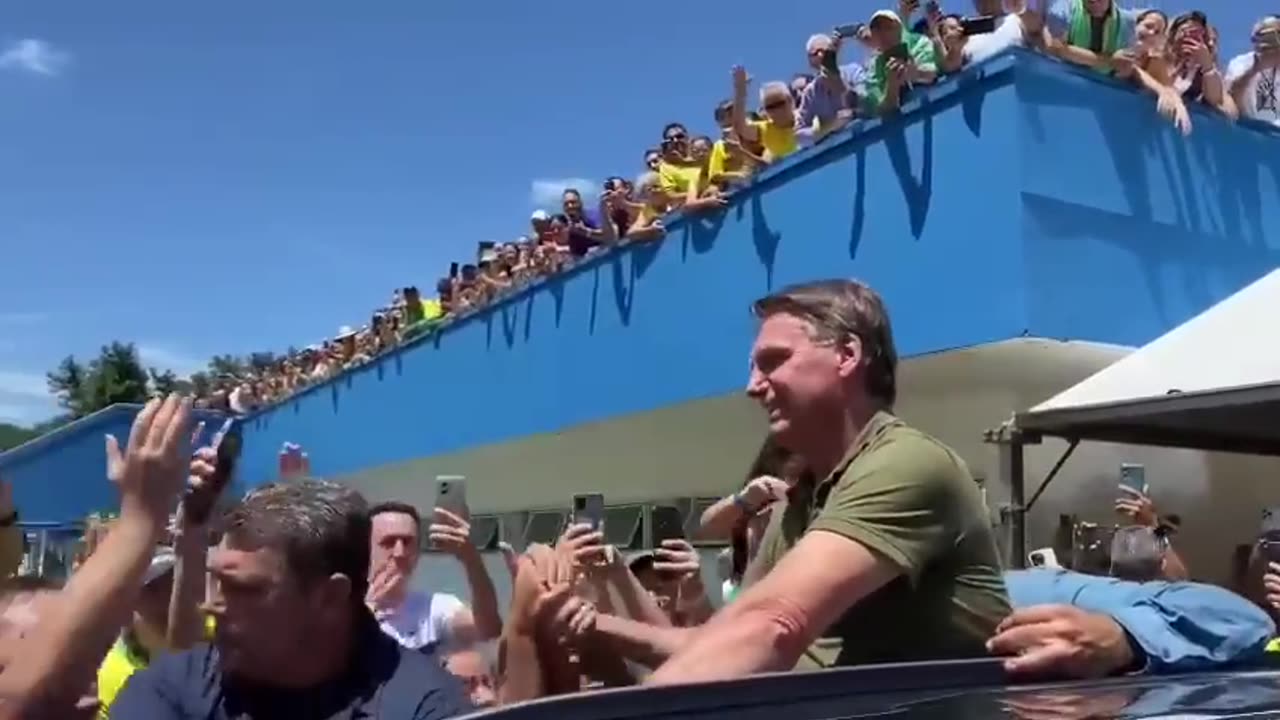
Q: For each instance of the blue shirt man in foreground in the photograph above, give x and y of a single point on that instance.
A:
(294, 638)
(1076, 625)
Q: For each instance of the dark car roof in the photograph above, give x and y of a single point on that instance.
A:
(920, 691)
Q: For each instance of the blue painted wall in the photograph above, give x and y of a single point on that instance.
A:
(1021, 198)
(61, 476)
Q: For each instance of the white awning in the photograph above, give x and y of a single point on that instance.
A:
(1211, 383)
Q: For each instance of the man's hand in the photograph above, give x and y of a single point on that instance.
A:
(150, 470)
(1271, 585)
(203, 483)
(582, 547)
(907, 8)
(383, 582)
(450, 533)
(1123, 62)
(897, 73)
(740, 78)
(1061, 641)
(1137, 507)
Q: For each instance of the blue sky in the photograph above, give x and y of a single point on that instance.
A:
(202, 178)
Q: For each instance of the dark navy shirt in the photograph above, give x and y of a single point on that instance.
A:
(384, 682)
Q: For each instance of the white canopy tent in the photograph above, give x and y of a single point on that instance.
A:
(1212, 383)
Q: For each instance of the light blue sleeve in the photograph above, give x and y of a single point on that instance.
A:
(1190, 626)
(1058, 18)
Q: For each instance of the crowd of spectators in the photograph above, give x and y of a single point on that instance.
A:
(898, 52)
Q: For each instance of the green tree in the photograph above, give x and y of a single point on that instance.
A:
(164, 382)
(262, 361)
(68, 383)
(220, 365)
(115, 376)
(201, 384)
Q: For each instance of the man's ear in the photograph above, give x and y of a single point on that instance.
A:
(850, 356)
(335, 591)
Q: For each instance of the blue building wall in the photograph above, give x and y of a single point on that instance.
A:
(1023, 197)
(61, 476)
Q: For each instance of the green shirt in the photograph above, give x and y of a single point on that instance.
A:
(922, 53)
(910, 500)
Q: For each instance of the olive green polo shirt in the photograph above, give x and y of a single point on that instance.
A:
(910, 500)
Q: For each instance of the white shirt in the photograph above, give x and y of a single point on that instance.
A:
(1261, 99)
(1006, 35)
(422, 620)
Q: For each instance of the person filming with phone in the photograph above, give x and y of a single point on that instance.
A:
(831, 101)
(428, 621)
(905, 60)
(1251, 77)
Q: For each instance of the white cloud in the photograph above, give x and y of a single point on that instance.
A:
(34, 56)
(25, 398)
(166, 358)
(24, 385)
(545, 193)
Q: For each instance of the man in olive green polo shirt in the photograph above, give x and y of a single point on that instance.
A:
(885, 553)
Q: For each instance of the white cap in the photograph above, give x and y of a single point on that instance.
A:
(884, 14)
(345, 331)
(161, 562)
(540, 215)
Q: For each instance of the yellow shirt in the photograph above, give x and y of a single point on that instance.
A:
(778, 141)
(431, 309)
(117, 667)
(676, 179)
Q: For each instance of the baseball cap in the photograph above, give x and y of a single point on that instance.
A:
(884, 15)
(161, 562)
(539, 215)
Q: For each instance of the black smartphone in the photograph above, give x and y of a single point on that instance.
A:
(197, 507)
(588, 509)
(665, 523)
(852, 30)
(898, 52)
(979, 25)
(453, 270)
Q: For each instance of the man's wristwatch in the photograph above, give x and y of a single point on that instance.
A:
(10, 519)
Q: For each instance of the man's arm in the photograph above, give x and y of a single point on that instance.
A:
(646, 644)
(769, 627)
(1241, 72)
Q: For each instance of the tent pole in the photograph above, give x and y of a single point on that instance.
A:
(1016, 471)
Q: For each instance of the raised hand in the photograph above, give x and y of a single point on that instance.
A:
(677, 557)
(582, 547)
(1137, 507)
(450, 533)
(150, 471)
(764, 490)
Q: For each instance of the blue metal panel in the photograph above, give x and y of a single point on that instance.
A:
(61, 476)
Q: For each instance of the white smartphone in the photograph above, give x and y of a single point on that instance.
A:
(451, 494)
(1044, 557)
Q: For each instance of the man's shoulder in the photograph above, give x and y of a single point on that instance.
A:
(912, 451)
(1239, 65)
(172, 683)
(420, 684)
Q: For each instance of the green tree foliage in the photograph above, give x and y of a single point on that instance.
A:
(115, 376)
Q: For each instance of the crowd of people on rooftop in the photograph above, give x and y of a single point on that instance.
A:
(900, 52)
(854, 538)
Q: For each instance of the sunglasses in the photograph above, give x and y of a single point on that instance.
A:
(775, 104)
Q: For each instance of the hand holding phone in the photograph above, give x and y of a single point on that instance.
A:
(211, 471)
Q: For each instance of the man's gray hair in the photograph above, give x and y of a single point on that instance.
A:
(321, 528)
(819, 42)
(1266, 20)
